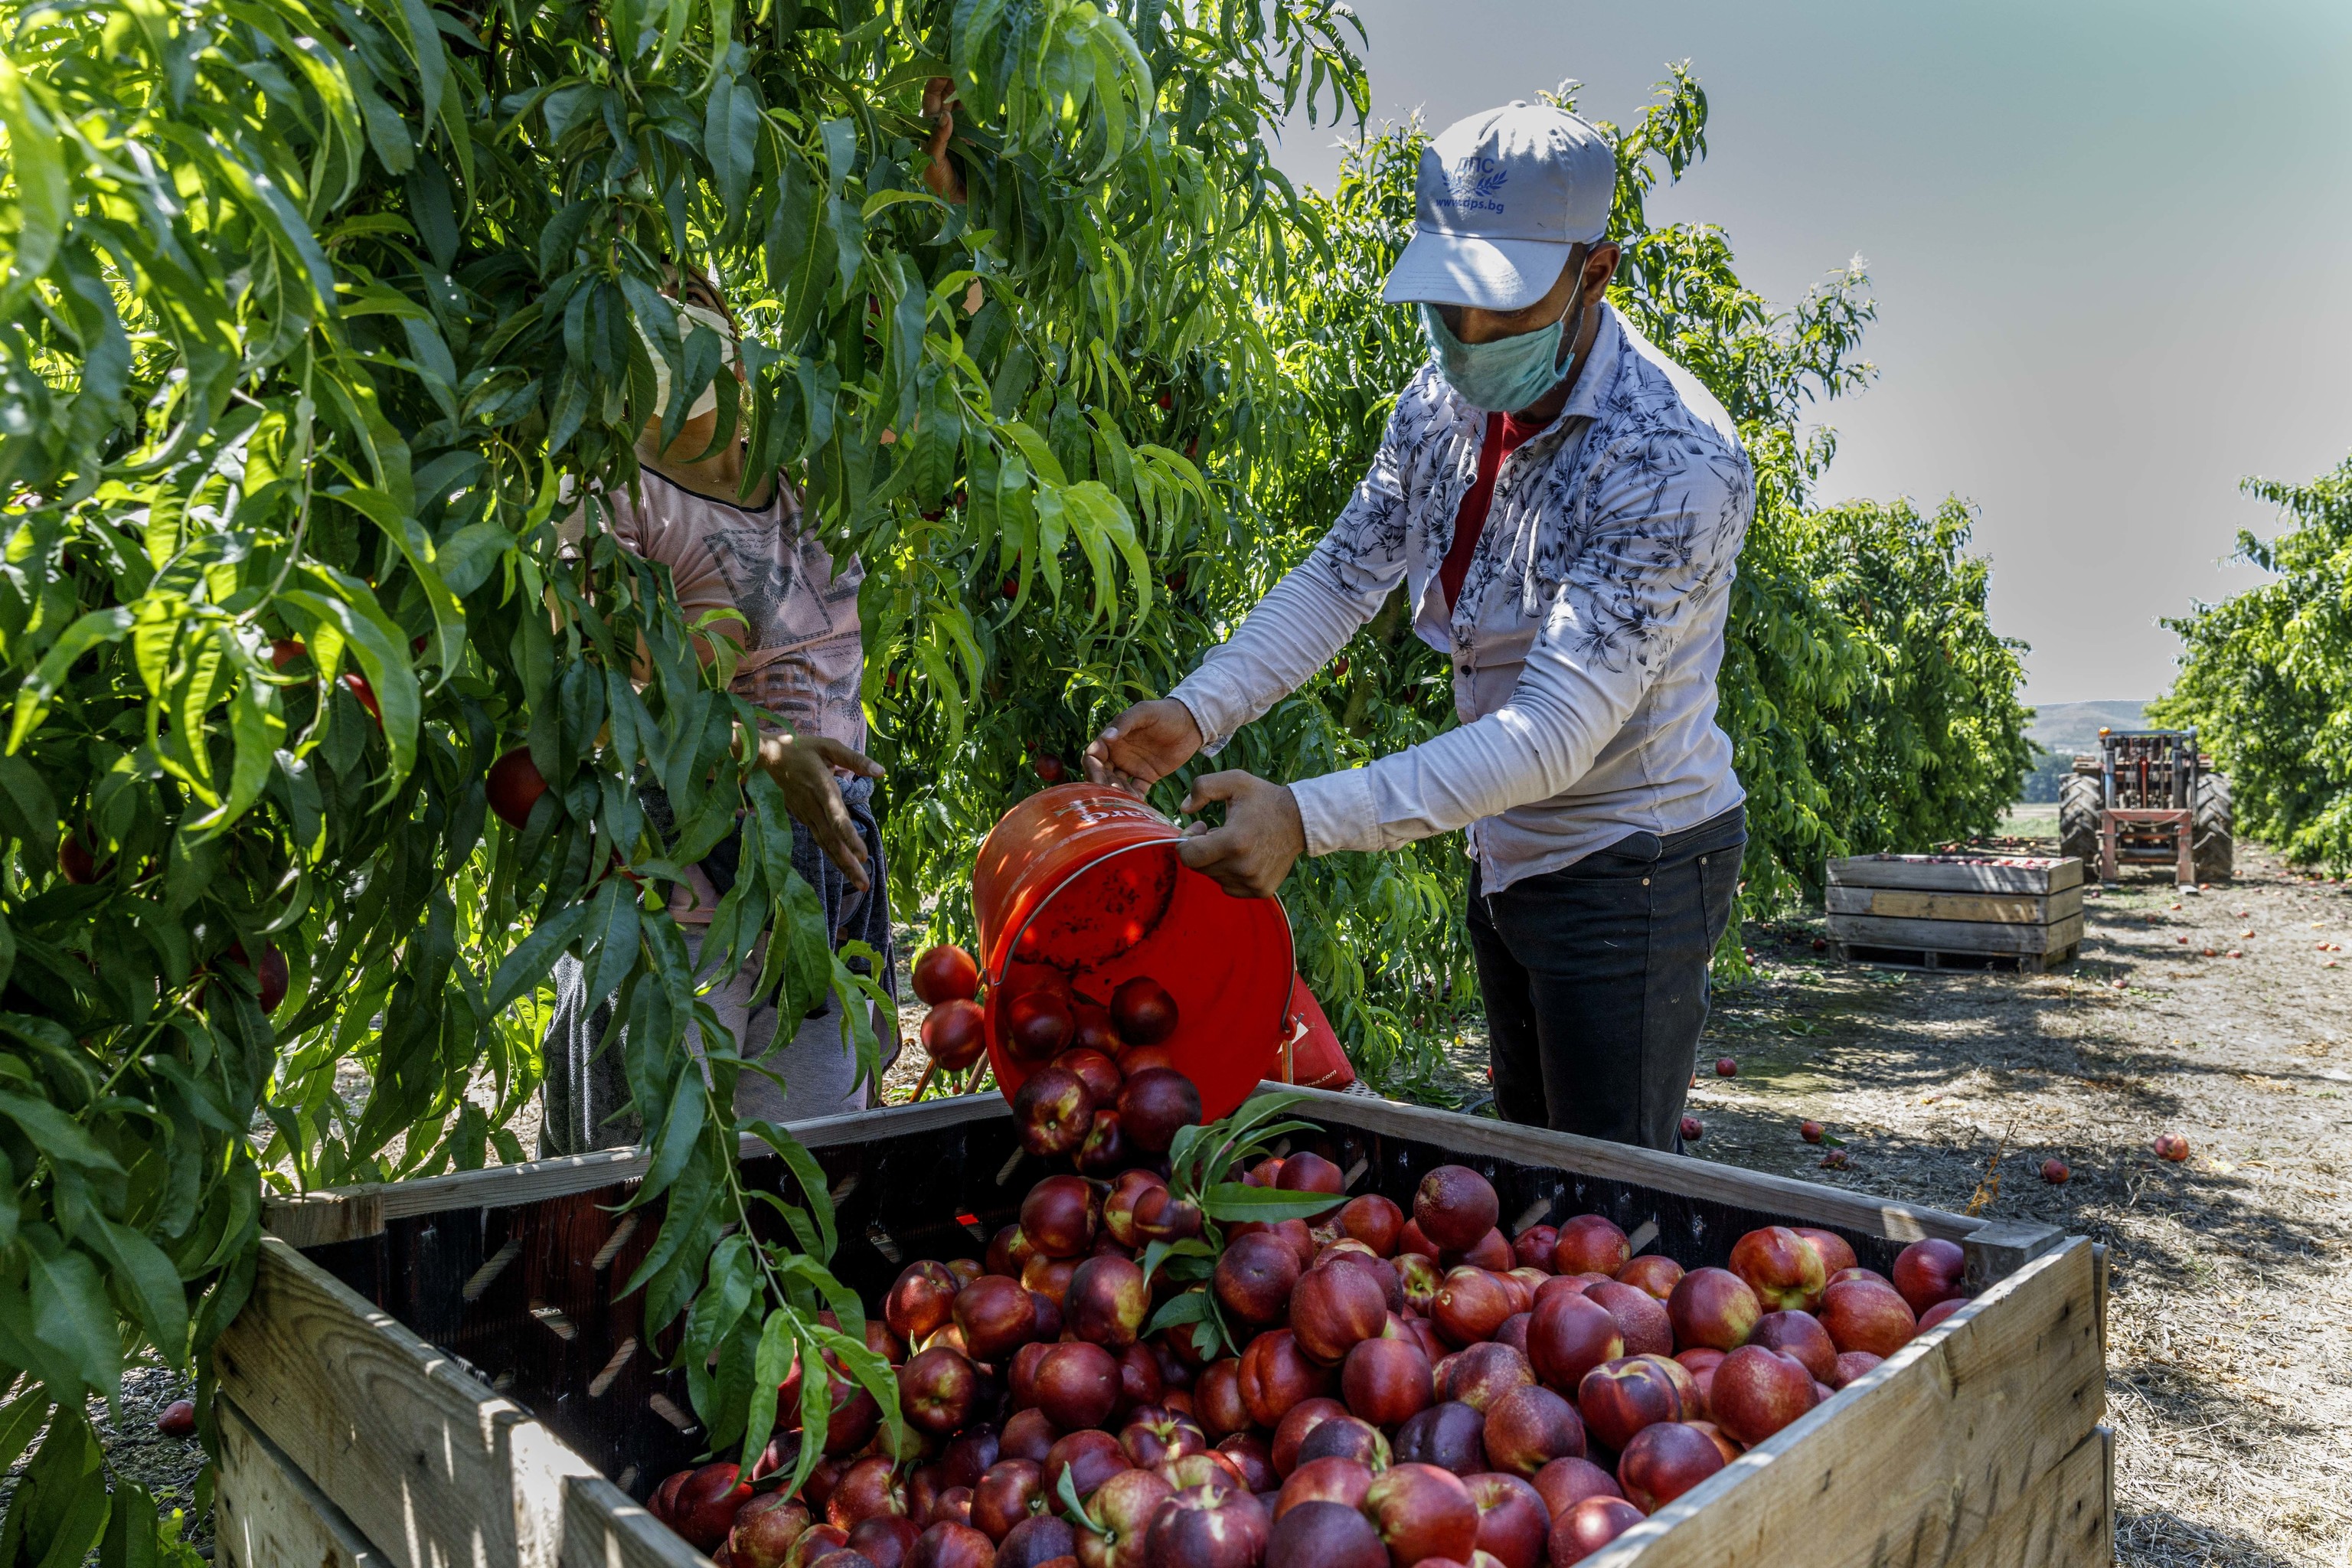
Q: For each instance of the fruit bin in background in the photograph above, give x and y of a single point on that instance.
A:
(436, 1371)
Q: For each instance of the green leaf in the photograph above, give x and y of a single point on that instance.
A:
(1236, 1201)
(524, 968)
(61, 1506)
(44, 199)
(680, 1127)
(151, 1282)
(73, 1317)
(812, 1179)
(611, 935)
(131, 1529)
(730, 139)
(350, 607)
(883, 201)
(770, 1367)
(34, 697)
(29, 809)
(21, 1420)
(57, 1136)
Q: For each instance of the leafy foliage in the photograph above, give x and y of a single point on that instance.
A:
(2266, 676)
(319, 318)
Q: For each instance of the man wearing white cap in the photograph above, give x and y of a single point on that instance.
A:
(1563, 506)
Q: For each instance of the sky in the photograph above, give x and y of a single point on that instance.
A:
(2111, 244)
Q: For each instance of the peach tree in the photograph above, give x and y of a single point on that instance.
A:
(2263, 674)
(321, 319)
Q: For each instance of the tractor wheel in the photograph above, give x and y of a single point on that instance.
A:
(2214, 846)
(2079, 799)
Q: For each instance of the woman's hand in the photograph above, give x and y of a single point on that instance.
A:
(1143, 745)
(803, 767)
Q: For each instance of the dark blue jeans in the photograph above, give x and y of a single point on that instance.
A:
(1595, 980)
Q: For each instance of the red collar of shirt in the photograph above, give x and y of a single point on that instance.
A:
(1504, 434)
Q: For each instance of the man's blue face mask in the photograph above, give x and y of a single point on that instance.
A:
(1505, 376)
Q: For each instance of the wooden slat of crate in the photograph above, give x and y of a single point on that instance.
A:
(1645, 1167)
(1933, 961)
(1910, 903)
(271, 1515)
(1910, 1465)
(1955, 936)
(320, 1218)
(2064, 1521)
(347, 1214)
(1930, 874)
(428, 1464)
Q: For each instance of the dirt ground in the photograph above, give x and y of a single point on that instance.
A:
(2230, 1382)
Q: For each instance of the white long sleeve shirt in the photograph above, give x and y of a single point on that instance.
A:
(1586, 640)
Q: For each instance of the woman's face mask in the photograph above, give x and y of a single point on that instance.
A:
(1504, 376)
(688, 318)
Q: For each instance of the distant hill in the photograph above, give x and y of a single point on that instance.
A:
(2073, 726)
(2062, 729)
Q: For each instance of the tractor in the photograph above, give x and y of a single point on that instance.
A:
(2148, 797)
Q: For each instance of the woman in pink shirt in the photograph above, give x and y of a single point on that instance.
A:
(772, 588)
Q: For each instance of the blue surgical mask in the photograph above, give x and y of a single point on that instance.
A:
(1502, 376)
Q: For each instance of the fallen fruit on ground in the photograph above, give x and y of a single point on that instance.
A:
(2171, 1146)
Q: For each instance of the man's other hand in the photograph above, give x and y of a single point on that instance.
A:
(1143, 745)
(1263, 836)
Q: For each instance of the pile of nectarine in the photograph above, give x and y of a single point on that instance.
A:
(1387, 1386)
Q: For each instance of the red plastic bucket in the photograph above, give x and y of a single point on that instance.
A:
(1085, 880)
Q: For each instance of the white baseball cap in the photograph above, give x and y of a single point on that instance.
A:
(1502, 197)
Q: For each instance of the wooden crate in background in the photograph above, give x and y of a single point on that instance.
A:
(1956, 911)
(441, 1372)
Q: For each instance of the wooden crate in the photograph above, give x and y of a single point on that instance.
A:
(1956, 911)
(434, 1373)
